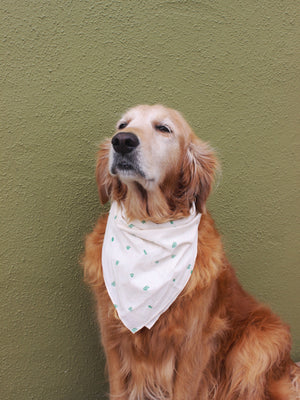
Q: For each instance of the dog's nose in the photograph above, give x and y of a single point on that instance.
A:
(125, 142)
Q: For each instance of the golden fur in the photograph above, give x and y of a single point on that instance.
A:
(215, 341)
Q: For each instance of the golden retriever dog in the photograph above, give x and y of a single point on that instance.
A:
(214, 341)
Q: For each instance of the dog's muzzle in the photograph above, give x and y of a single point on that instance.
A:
(125, 159)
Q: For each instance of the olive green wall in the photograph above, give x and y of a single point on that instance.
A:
(69, 68)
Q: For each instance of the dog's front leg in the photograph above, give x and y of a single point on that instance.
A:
(189, 374)
(117, 388)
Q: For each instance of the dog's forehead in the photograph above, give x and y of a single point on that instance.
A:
(145, 113)
(143, 116)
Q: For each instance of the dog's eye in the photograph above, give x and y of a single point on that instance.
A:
(122, 125)
(163, 128)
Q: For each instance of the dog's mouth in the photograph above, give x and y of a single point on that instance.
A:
(125, 166)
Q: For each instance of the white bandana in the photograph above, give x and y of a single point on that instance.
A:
(147, 265)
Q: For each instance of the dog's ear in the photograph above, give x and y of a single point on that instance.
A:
(103, 177)
(199, 167)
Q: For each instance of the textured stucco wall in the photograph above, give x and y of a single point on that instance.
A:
(68, 69)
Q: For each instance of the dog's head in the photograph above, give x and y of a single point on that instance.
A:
(155, 164)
